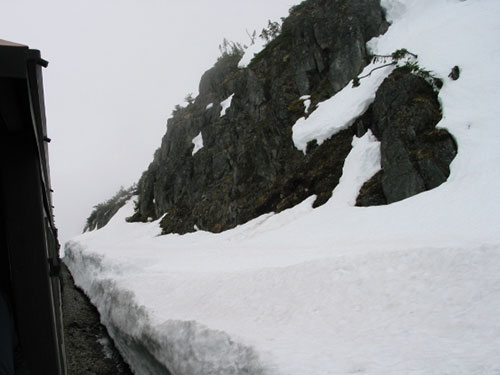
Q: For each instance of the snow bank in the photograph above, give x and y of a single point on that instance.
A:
(411, 287)
(186, 347)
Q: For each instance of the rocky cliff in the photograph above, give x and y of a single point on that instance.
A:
(248, 164)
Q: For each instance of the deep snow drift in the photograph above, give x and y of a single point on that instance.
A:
(408, 288)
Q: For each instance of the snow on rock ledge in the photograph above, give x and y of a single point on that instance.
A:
(340, 111)
(198, 143)
(225, 105)
(250, 52)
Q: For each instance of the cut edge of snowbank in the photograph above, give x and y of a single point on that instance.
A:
(173, 346)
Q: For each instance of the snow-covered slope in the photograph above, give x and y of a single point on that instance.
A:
(408, 288)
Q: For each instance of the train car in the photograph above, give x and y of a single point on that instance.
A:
(29, 249)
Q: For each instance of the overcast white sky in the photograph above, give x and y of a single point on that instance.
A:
(116, 70)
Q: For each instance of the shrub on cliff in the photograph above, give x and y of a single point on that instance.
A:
(103, 212)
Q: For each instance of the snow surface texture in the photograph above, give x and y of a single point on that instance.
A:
(198, 143)
(225, 105)
(408, 288)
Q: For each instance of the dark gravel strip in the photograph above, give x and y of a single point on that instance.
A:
(89, 349)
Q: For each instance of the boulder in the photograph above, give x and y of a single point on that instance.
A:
(415, 156)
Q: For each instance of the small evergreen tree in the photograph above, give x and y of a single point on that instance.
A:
(176, 109)
(189, 98)
(270, 32)
(229, 48)
(103, 212)
(405, 58)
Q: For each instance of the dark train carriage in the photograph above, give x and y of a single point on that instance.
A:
(29, 260)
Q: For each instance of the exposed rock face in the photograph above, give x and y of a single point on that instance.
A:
(415, 155)
(249, 164)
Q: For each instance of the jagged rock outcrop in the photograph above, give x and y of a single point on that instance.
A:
(248, 164)
(415, 156)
